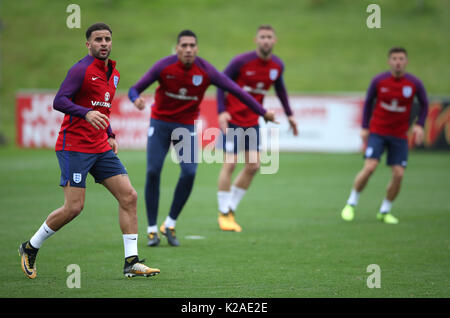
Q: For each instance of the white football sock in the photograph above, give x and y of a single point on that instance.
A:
(354, 197)
(223, 199)
(130, 244)
(386, 206)
(41, 235)
(236, 196)
(152, 229)
(169, 222)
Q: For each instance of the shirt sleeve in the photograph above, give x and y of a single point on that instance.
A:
(224, 82)
(421, 94)
(148, 79)
(110, 132)
(369, 103)
(68, 89)
(232, 71)
(281, 92)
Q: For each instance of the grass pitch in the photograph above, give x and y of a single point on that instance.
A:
(293, 243)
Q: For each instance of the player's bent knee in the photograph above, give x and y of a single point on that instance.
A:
(252, 167)
(153, 172)
(229, 167)
(370, 167)
(129, 198)
(398, 172)
(74, 209)
(189, 171)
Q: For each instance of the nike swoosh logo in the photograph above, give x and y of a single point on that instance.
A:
(25, 267)
(94, 78)
(133, 239)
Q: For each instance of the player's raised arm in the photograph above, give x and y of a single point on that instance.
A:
(148, 79)
(225, 83)
(232, 71)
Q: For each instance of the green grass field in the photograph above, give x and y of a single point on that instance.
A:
(293, 243)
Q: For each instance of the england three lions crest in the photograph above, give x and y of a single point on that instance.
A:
(407, 91)
(116, 80)
(273, 74)
(197, 80)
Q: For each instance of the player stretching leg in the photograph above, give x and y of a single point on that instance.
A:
(183, 79)
(86, 144)
(255, 72)
(385, 126)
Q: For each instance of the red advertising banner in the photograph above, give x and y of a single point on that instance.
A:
(326, 123)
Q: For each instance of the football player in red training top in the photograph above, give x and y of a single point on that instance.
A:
(183, 79)
(255, 72)
(86, 144)
(385, 125)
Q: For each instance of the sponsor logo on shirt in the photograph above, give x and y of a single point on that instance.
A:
(393, 106)
(257, 90)
(101, 104)
(94, 78)
(181, 95)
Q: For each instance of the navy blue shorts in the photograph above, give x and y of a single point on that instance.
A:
(238, 138)
(397, 149)
(76, 165)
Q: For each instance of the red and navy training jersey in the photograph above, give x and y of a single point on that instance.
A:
(394, 98)
(181, 89)
(89, 85)
(255, 76)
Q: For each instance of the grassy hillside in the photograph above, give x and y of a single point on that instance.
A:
(325, 45)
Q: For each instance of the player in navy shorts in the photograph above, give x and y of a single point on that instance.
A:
(86, 144)
(183, 79)
(397, 149)
(255, 72)
(385, 125)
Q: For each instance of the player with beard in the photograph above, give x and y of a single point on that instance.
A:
(183, 79)
(255, 72)
(86, 144)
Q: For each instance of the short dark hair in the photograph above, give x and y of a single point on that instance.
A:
(397, 49)
(97, 27)
(265, 27)
(186, 33)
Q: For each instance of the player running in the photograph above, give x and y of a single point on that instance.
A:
(183, 79)
(255, 72)
(86, 144)
(385, 126)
